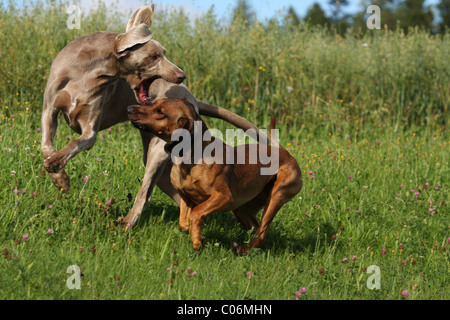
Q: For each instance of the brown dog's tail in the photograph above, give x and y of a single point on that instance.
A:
(272, 134)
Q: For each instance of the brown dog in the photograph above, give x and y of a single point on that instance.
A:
(207, 186)
(93, 80)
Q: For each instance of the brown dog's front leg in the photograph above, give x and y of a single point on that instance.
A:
(185, 215)
(218, 201)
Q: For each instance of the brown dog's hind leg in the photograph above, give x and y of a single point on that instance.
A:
(247, 213)
(287, 185)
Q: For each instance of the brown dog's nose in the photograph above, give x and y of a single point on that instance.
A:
(179, 77)
(130, 109)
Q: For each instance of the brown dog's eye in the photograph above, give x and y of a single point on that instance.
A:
(154, 57)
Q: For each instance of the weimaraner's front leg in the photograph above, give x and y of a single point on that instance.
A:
(49, 125)
(157, 158)
(89, 118)
(165, 184)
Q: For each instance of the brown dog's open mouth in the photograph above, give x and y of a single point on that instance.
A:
(138, 125)
(143, 90)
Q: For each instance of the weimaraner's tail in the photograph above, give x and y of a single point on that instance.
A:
(237, 121)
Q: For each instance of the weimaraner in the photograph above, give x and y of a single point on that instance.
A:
(95, 78)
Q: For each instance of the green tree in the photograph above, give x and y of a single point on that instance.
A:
(316, 15)
(340, 21)
(292, 19)
(244, 12)
(413, 13)
(337, 8)
(444, 12)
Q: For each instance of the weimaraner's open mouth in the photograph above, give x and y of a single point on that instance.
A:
(143, 90)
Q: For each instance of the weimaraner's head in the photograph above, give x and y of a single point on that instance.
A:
(143, 59)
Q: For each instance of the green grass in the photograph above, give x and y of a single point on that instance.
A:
(384, 131)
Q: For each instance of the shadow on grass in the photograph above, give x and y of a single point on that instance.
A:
(221, 228)
(161, 211)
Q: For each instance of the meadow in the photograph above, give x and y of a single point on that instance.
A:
(365, 116)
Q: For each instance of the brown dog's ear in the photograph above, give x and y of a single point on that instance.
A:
(184, 123)
(142, 15)
(136, 35)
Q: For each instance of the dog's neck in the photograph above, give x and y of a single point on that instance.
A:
(197, 141)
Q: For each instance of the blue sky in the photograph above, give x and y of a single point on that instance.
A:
(265, 9)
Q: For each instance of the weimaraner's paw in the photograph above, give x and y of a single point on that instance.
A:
(61, 180)
(53, 164)
(126, 222)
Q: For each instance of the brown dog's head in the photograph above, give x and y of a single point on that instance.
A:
(142, 60)
(163, 117)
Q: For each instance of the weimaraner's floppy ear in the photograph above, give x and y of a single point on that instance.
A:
(136, 35)
(142, 15)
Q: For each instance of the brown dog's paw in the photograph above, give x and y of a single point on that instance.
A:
(197, 245)
(185, 227)
(243, 251)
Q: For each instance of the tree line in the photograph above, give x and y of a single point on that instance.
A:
(395, 14)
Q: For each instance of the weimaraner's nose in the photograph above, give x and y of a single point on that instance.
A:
(179, 77)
